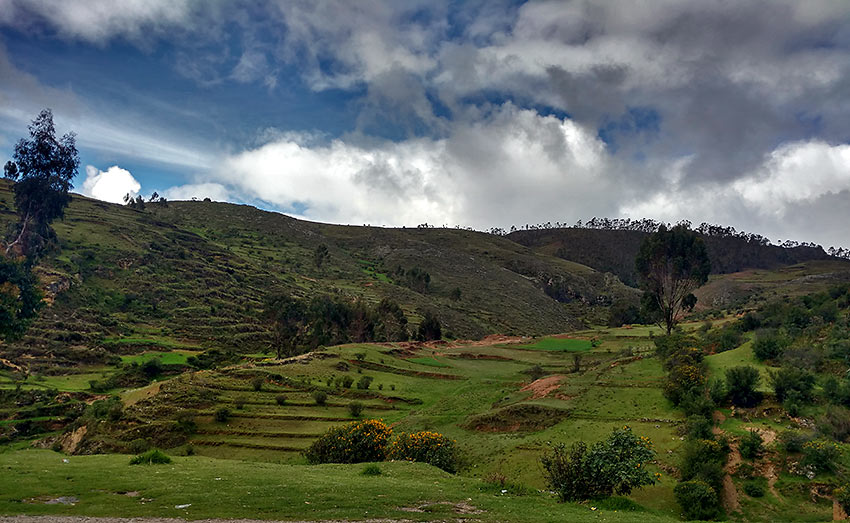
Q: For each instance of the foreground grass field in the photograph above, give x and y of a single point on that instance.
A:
(197, 487)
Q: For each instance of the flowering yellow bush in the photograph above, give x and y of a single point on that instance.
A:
(353, 443)
(427, 447)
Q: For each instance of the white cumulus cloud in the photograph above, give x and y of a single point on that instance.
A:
(110, 185)
(514, 165)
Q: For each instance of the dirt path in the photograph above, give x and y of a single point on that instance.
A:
(769, 436)
(731, 503)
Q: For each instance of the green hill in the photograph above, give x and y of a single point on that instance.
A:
(192, 275)
(614, 250)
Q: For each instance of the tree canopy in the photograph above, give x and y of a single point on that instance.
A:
(671, 264)
(42, 168)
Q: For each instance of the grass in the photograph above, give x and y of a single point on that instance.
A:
(176, 357)
(430, 362)
(743, 355)
(211, 488)
(560, 344)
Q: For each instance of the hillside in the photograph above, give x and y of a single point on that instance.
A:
(192, 275)
(614, 251)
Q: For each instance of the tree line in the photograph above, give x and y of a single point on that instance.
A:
(298, 325)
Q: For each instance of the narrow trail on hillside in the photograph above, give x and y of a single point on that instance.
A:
(731, 503)
(768, 437)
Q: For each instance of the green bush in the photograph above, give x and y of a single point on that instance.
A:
(280, 399)
(683, 380)
(222, 415)
(752, 445)
(835, 423)
(355, 408)
(703, 460)
(792, 441)
(821, 455)
(768, 345)
(741, 383)
(371, 470)
(698, 427)
(717, 391)
(426, 447)
(357, 442)
(754, 490)
(364, 382)
(320, 397)
(347, 381)
(697, 499)
(139, 445)
(257, 383)
(151, 457)
(613, 466)
(792, 380)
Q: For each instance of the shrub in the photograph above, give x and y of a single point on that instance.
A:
(696, 403)
(754, 490)
(835, 423)
(280, 399)
(535, 373)
(683, 380)
(151, 457)
(741, 383)
(752, 445)
(717, 391)
(768, 345)
(320, 397)
(257, 383)
(793, 380)
(356, 442)
(426, 447)
(613, 466)
(698, 427)
(371, 470)
(222, 415)
(364, 382)
(703, 460)
(697, 499)
(186, 422)
(239, 403)
(355, 408)
(139, 445)
(821, 455)
(347, 381)
(792, 441)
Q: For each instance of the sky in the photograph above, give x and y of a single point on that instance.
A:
(478, 113)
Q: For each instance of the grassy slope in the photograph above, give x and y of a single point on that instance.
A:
(751, 288)
(193, 275)
(234, 489)
(611, 390)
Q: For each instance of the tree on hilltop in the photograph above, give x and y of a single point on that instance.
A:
(42, 168)
(671, 264)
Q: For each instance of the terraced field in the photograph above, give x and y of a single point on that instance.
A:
(484, 396)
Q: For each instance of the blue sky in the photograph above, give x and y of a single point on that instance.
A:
(454, 113)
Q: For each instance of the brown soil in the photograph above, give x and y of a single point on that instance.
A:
(731, 502)
(544, 386)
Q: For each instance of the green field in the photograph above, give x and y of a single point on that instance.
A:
(560, 344)
(175, 357)
(199, 487)
(430, 362)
